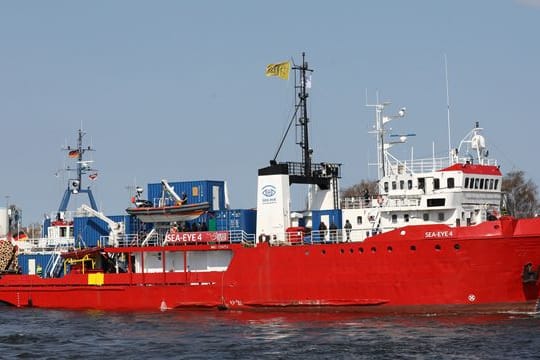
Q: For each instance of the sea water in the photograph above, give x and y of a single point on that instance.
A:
(212, 334)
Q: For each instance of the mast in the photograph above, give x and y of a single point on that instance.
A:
(380, 131)
(83, 167)
(303, 119)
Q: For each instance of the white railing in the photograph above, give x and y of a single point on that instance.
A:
(377, 202)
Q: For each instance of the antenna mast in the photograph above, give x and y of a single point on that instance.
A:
(83, 166)
(303, 120)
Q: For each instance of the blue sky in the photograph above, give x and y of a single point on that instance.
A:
(176, 89)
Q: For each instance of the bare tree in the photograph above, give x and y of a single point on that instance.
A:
(520, 195)
(358, 190)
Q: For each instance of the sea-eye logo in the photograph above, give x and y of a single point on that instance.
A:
(269, 194)
(269, 190)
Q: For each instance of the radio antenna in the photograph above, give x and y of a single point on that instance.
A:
(447, 103)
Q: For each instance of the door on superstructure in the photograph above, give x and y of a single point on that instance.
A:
(215, 197)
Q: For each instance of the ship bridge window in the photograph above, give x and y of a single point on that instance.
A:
(476, 183)
(421, 183)
(466, 182)
(450, 183)
(436, 202)
(482, 184)
(496, 184)
(490, 184)
(436, 184)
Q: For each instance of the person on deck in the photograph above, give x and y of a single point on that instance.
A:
(333, 232)
(348, 228)
(322, 231)
(183, 199)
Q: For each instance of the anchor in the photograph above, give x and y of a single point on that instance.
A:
(529, 275)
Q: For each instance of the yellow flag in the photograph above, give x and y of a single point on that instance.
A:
(281, 70)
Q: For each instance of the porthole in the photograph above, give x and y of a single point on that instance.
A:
(438, 247)
(341, 251)
(351, 250)
(361, 250)
(373, 249)
(389, 249)
(413, 248)
(457, 247)
(323, 252)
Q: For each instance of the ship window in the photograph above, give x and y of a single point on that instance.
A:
(436, 184)
(409, 184)
(394, 185)
(476, 182)
(386, 186)
(426, 216)
(438, 247)
(406, 217)
(481, 183)
(394, 218)
(389, 249)
(466, 182)
(413, 248)
(441, 216)
(471, 183)
(457, 247)
(490, 184)
(435, 202)
(374, 249)
(496, 184)
(402, 184)
(358, 220)
(421, 183)
(450, 183)
(361, 250)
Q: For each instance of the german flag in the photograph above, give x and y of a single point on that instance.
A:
(73, 153)
(21, 236)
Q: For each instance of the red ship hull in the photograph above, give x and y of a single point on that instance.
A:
(414, 267)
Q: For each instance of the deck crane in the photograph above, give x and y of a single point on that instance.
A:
(169, 189)
(117, 229)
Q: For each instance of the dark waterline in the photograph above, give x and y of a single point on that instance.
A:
(179, 334)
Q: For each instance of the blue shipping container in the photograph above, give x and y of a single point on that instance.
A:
(88, 230)
(329, 217)
(236, 219)
(34, 263)
(210, 191)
